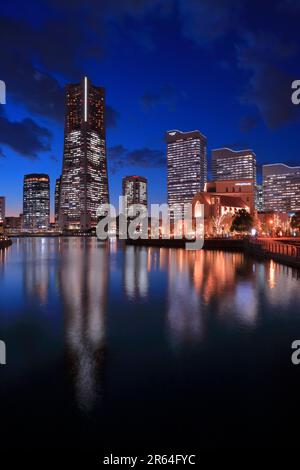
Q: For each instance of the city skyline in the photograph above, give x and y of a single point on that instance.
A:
(241, 101)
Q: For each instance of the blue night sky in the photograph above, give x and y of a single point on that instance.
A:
(223, 67)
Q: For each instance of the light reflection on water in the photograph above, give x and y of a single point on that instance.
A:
(86, 302)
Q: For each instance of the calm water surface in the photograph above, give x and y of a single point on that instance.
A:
(113, 348)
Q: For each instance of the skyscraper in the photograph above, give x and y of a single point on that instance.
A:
(36, 202)
(187, 166)
(134, 188)
(259, 198)
(57, 199)
(281, 187)
(230, 164)
(2, 208)
(84, 183)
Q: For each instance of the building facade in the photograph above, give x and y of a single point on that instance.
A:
(134, 188)
(281, 185)
(187, 167)
(36, 202)
(230, 164)
(2, 208)
(84, 182)
(57, 199)
(259, 198)
(221, 201)
(13, 224)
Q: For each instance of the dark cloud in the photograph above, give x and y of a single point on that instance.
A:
(206, 21)
(111, 117)
(25, 137)
(2, 154)
(119, 157)
(166, 95)
(146, 157)
(34, 56)
(263, 57)
(248, 123)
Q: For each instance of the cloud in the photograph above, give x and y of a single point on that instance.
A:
(166, 95)
(146, 157)
(25, 137)
(111, 116)
(119, 157)
(248, 123)
(37, 59)
(206, 21)
(263, 57)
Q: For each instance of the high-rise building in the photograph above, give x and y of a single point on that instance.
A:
(134, 188)
(36, 202)
(57, 199)
(281, 185)
(187, 167)
(84, 183)
(2, 208)
(230, 164)
(259, 197)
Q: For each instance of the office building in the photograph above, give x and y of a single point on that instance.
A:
(84, 182)
(230, 164)
(187, 167)
(259, 198)
(13, 224)
(57, 199)
(134, 188)
(281, 187)
(2, 208)
(36, 202)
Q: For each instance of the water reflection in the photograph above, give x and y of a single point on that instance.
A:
(225, 287)
(197, 296)
(137, 263)
(83, 282)
(184, 316)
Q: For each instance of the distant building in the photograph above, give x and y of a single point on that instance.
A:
(13, 224)
(84, 182)
(243, 189)
(281, 187)
(57, 199)
(2, 208)
(221, 200)
(259, 198)
(135, 190)
(36, 202)
(230, 164)
(187, 167)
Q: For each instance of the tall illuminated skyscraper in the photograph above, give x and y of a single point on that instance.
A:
(135, 190)
(187, 166)
(36, 202)
(281, 185)
(230, 164)
(84, 183)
